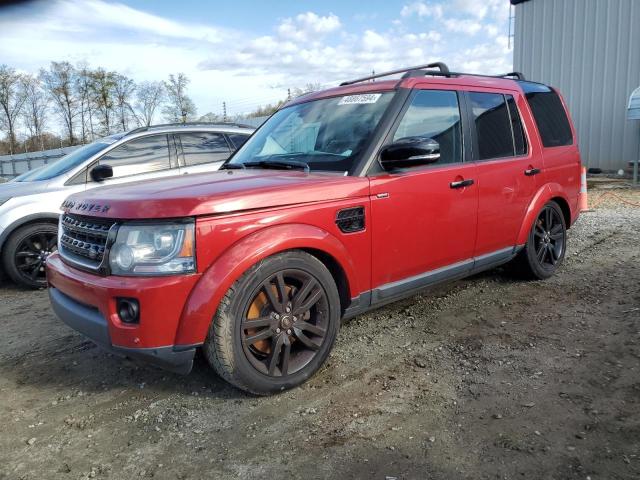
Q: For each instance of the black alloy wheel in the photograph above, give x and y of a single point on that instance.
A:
(26, 251)
(285, 323)
(276, 325)
(546, 245)
(549, 233)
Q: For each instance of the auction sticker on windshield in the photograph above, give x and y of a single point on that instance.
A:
(360, 99)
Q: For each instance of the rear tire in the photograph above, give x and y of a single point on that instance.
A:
(276, 325)
(25, 253)
(546, 245)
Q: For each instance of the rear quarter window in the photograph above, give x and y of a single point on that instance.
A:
(550, 117)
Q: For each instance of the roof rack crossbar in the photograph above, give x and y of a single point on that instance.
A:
(188, 124)
(443, 70)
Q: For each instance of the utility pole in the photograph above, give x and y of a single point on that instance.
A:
(373, 72)
(288, 94)
(224, 111)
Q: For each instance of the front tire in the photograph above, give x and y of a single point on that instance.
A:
(546, 245)
(276, 325)
(25, 253)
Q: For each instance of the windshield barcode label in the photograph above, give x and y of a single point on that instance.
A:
(359, 99)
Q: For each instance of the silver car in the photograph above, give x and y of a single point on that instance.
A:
(30, 205)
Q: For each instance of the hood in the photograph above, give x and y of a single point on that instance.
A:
(21, 189)
(214, 193)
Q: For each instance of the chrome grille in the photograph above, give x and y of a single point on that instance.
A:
(84, 239)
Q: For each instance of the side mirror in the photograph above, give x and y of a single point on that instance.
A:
(100, 172)
(410, 152)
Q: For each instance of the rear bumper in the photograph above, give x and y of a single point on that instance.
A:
(90, 322)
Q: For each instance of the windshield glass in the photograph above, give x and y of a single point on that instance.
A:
(328, 134)
(69, 161)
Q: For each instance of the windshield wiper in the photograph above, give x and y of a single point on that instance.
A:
(278, 164)
(233, 166)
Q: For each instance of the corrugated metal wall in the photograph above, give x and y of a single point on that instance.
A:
(590, 50)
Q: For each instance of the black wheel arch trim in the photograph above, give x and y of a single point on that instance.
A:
(35, 217)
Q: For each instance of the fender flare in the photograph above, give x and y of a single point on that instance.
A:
(23, 221)
(205, 297)
(542, 196)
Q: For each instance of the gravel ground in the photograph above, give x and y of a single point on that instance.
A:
(489, 377)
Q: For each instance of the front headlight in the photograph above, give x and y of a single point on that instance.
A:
(153, 249)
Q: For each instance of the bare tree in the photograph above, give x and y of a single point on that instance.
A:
(11, 102)
(35, 108)
(59, 81)
(123, 90)
(85, 99)
(180, 106)
(103, 91)
(149, 96)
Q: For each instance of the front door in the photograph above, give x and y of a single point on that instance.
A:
(424, 218)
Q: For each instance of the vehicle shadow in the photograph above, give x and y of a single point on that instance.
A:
(59, 359)
(73, 363)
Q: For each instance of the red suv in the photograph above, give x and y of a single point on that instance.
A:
(344, 200)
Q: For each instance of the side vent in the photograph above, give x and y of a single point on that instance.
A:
(350, 220)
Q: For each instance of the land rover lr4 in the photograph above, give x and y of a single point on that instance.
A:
(344, 200)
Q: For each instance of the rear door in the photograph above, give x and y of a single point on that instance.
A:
(202, 151)
(507, 171)
(424, 218)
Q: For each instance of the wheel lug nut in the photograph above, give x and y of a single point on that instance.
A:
(277, 330)
(277, 317)
(288, 332)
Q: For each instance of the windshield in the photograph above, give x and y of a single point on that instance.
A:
(69, 161)
(328, 134)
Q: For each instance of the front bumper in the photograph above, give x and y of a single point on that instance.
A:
(87, 303)
(90, 322)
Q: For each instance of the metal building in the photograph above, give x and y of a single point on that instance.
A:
(590, 51)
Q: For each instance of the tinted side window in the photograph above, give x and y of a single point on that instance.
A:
(519, 139)
(237, 139)
(141, 155)
(434, 114)
(204, 147)
(551, 118)
(493, 125)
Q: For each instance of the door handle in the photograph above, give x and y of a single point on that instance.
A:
(461, 183)
(531, 172)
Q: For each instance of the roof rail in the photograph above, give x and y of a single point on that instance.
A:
(189, 124)
(429, 69)
(443, 70)
(516, 75)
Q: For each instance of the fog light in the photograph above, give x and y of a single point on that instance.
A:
(128, 310)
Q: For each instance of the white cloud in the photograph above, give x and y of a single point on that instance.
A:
(243, 68)
(374, 41)
(498, 9)
(492, 30)
(422, 9)
(308, 26)
(468, 27)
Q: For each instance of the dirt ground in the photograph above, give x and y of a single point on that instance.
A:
(489, 377)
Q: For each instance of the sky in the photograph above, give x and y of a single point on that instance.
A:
(248, 53)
